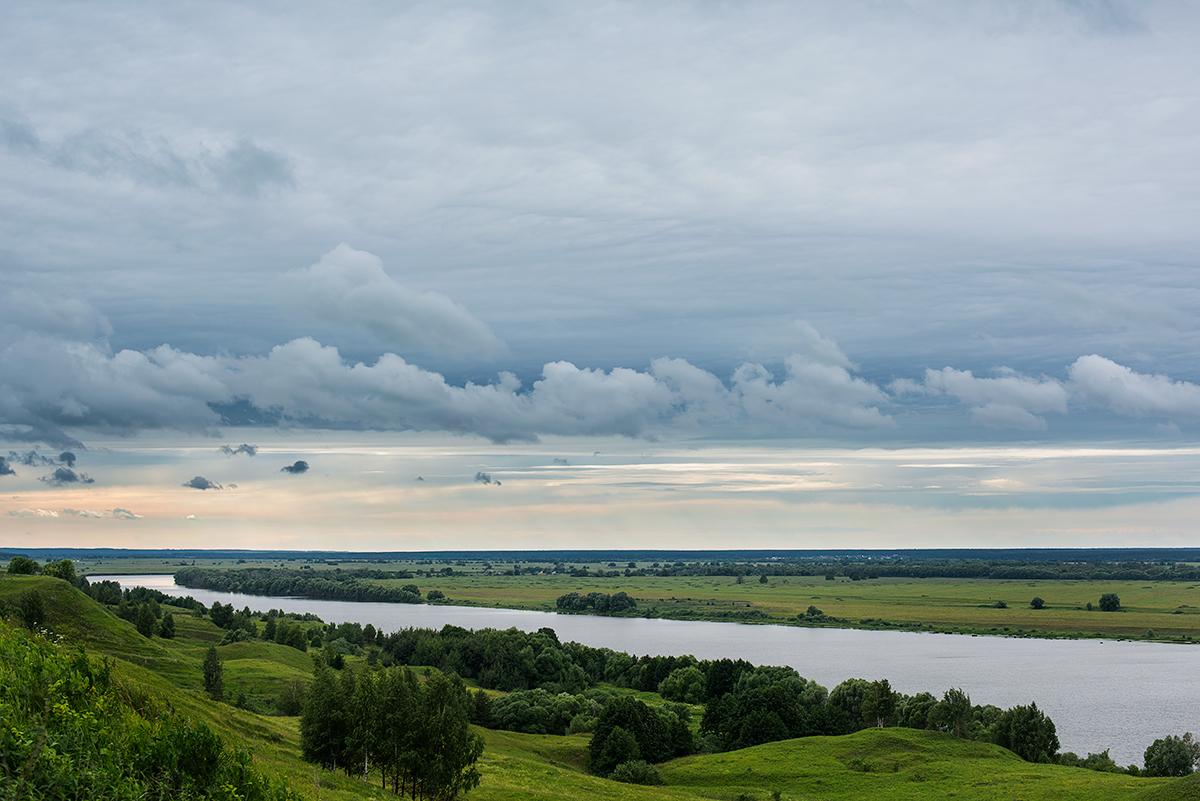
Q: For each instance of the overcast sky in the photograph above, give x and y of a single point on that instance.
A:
(792, 226)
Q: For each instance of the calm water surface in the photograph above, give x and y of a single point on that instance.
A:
(1100, 693)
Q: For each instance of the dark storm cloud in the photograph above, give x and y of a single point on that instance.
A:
(5, 469)
(295, 468)
(249, 450)
(201, 483)
(67, 458)
(31, 458)
(65, 476)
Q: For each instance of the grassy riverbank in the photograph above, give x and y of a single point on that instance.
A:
(871, 764)
(1167, 611)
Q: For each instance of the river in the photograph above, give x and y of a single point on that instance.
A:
(1101, 693)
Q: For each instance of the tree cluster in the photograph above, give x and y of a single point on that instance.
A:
(337, 585)
(596, 603)
(414, 734)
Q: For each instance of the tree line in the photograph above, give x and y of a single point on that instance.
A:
(596, 603)
(329, 585)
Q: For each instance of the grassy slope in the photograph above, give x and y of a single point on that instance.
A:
(902, 764)
(1170, 609)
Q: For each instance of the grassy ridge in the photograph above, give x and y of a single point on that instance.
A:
(873, 764)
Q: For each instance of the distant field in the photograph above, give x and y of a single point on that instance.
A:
(1171, 610)
(1159, 610)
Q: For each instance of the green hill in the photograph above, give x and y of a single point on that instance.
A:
(894, 764)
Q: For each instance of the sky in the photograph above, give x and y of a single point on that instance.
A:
(790, 275)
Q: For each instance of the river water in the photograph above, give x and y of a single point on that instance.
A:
(1100, 693)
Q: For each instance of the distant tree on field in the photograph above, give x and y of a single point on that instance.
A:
(23, 566)
(1037, 603)
(1110, 602)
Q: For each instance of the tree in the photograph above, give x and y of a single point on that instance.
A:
(322, 723)
(846, 704)
(214, 674)
(63, 569)
(952, 713)
(166, 626)
(636, 771)
(31, 608)
(616, 747)
(145, 621)
(879, 703)
(763, 579)
(1110, 602)
(23, 566)
(446, 748)
(1028, 733)
(1037, 603)
(1173, 756)
(685, 685)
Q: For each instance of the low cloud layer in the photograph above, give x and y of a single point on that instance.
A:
(87, 514)
(248, 450)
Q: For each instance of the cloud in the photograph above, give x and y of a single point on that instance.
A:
(32, 459)
(1007, 400)
(295, 468)
(249, 450)
(5, 469)
(64, 476)
(68, 458)
(486, 478)
(201, 483)
(87, 513)
(1104, 383)
(33, 513)
(350, 286)
(125, 514)
(240, 167)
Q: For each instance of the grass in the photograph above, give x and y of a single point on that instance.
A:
(1171, 610)
(893, 764)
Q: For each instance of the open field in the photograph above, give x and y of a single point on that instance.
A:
(872, 764)
(1170, 610)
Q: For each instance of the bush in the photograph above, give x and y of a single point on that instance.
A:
(31, 608)
(636, 771)
(1110, 602)
(1037, 603)
(63, 569)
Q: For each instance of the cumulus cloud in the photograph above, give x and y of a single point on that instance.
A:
(249, 450)
(5, 469)
(1008, 399)
(32, 459)
(201, 483)
(33, 513)
(67, 458)
(350, 286)
(1102, 382)
(65, 476)
(86, 514)
(295, 468)
(125, 514)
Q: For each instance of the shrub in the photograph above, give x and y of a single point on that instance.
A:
(31, 608)
(636, 771)
(1037, 603)
(23, 566)
(1110, 602)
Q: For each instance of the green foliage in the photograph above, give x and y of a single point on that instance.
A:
(1037, 603)
(63, 569)
(31, 609)
(23, 566)
(416, 735)
(659, 734)
(340, 586)
(166, 626)
(214, 674)
(1028, 733)
(636, 771)
(598, 603)
(145, 621)
(1110, 602)
(539, 711)
(68, 730)
(685, 685)
(1172, 756)
(953, 713)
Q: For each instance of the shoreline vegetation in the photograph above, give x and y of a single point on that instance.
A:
(845, 596)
